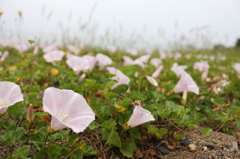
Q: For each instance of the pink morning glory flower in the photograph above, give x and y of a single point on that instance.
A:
(10, 93)
(78, 64)
(73, 49)
(119, 76)
(178, 69)
(50, 48)
(157, 72)
(139, 116)
(236, 66)
(53, 56)
(20, 47)
(111, 48)
(91, 61)
(4, 55)
(68, 109)
(203, 67)
(155, 61)
(162, 54)
(35, 50)
(132, 51)
(103, 60)
(127, 61)
(186, 84)
(139, 61)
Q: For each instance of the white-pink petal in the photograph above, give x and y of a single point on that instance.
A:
(186, 83)
(53, 56)
(236, 66)
(10, 93)
(68, 109)
(119, 76)
(91, 61)
(152, 81)
(157, 72)
(78, 64)
(103, 60)
(155, 61)
(139, 116)
(178, 69)
(4, 55)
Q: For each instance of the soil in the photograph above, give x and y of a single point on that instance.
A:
(197, 146)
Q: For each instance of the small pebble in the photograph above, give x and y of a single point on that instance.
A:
(192, 147)
(164, 150)
(235, 145)
(205, 148)
(184, 142)
(210, 145)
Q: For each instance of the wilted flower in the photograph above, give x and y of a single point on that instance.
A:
(178, 69)
(68, 109)
(30, 115)
(119, 76)
(103, 60)
(53, 56)
(139, 116)
(152, 81)
(186, 84)
(10, 93)
(78, 64)
(54, 71)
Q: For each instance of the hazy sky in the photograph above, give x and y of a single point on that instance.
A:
(127, 23)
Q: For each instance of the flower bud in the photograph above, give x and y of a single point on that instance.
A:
(30, 115)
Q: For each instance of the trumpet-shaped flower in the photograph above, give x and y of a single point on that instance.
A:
(132, 51)
(119, 76)
(203, 67)
(140, 61)
(155, 61)
(139, 116)
(78, 64)
(53, 56)
(73, 49)
(50, 48)
(178, 69)
(111, 48)
(103, 60)
(127, 61)
(10, 93)
(91, 61)
(186, 84)
(236, 66)
(68, 109)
